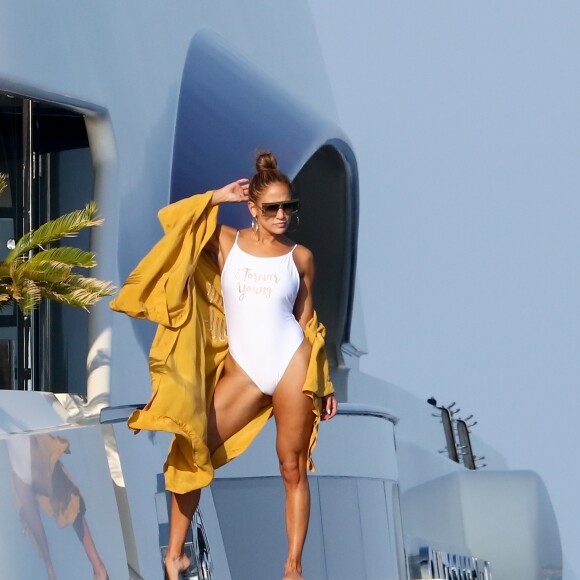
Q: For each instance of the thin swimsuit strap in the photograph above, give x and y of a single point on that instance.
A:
(236, 244)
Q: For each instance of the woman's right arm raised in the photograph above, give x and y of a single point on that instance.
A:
(235, 192)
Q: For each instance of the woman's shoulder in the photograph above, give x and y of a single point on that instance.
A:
(303, 258)
(226, 233)
(243, 233)
(227, 236)
(223, 237)
(303, 251)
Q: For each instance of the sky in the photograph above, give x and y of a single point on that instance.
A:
(465, 121)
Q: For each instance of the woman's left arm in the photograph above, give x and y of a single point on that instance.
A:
(303, 307)
(304, 310)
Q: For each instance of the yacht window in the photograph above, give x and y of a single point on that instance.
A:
(45, 171)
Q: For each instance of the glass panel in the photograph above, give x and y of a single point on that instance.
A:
(10, 189)
(64, 183)
(10, 151)
(61, 178)
(59, 515)
(67, 184)
(349, 534)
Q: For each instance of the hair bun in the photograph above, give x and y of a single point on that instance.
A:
(267, 173)
(265, 161)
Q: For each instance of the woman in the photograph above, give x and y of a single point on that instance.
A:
(274, 349)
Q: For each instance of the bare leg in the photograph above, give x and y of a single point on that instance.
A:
(294, 422)
(235, 403)
(84, 534)
(183, 507)
(33, 522)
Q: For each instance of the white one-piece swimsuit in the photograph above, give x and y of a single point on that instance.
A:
(259, 295)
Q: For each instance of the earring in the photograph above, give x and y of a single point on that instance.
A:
(255, 226)
(295, 227)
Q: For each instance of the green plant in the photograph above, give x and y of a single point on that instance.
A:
(31, 271)
(3, 182)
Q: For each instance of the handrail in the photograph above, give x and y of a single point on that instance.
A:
(121, 413)
(117, 414)
(368, 411)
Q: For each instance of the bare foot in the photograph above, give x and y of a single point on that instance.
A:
(173, 567)
(50, 571)
(101, 574)
(292, 576)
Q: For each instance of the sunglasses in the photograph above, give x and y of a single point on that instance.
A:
(270, 210)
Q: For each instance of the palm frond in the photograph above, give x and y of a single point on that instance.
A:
(5, 300)
(66, 255)
(68, 225)
(91, 285)
(30, 296)
(13, 269)
(47, 271)
(85, 291)
(53, 265)
(78, 291)
(3, 182)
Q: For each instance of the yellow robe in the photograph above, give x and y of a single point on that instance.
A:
(178, 286)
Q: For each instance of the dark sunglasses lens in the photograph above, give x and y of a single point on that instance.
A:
(271, 209)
